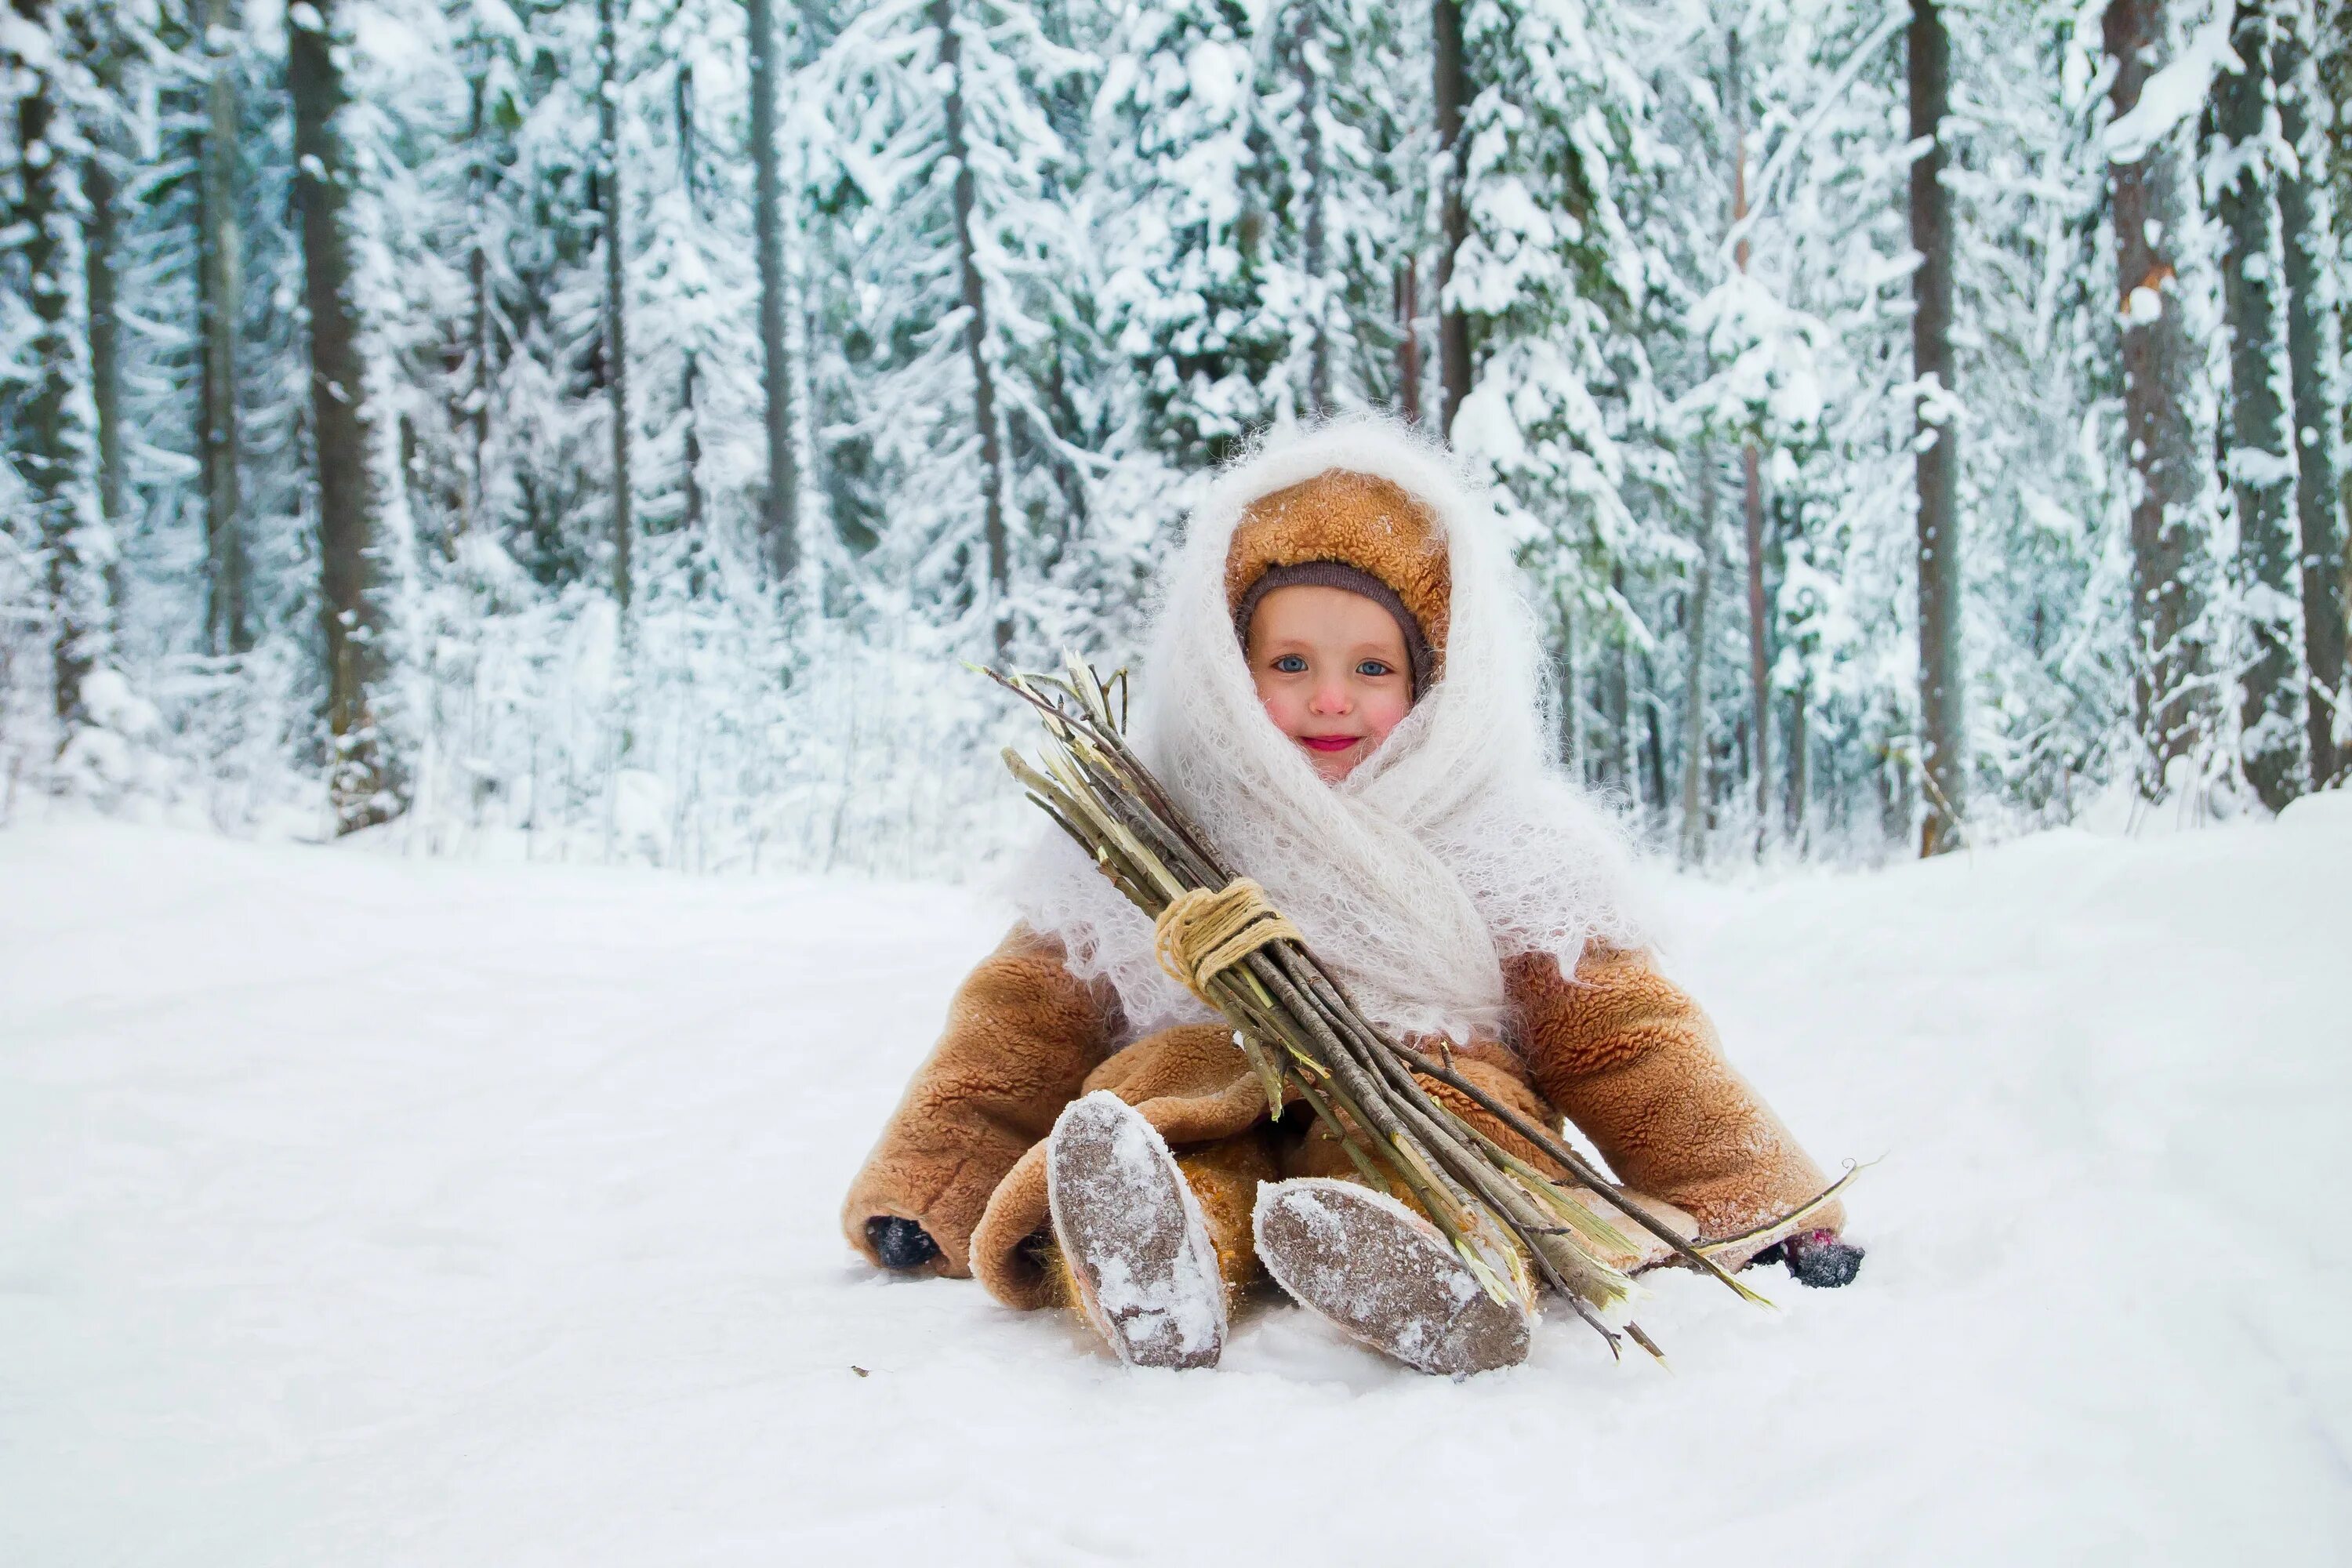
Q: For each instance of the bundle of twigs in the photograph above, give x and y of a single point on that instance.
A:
(1292, 1019)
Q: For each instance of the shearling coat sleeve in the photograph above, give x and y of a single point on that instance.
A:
(1633, 1062)
(1021, 1035)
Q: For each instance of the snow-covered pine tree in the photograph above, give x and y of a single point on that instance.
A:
(354, 613)
(2242, 177)
(1188, 253)
(104, 41)
(1147, 231)
(2042, 584)
(769, 55)
(1943, 694)
(2307, 223)
(1552, 285)
(50, 441)
(967, 271)
(2145, 147)
(1339, 138)
(220, 309)
(692, 303)
(2332, 64)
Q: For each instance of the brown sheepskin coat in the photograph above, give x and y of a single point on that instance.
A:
(1628, 1058)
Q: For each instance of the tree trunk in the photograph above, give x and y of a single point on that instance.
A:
(1759, 637)
(1752, 477)
(1693, 845)
(1943, 760)
(2158, 364)
(2334, 60)
(101, 251)
(220, 298)
(349, 614)
(689, 395)
(616, 313)
(692, 518)
(1797, 747)
(478, 284)
(1303, 41)
(2262, 462)
(2306, 223)
(1452, 96)
(1408, 294)
(975, 305)
(780, 501)
(1654, 749)
(51, 445)
(1617, 695)
(1563, 663)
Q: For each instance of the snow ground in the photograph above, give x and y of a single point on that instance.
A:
(356, 1210)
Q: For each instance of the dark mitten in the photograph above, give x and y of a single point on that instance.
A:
(900, 1243)
(1817, 1258)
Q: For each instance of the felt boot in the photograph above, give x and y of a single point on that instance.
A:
(1140, 1258)
(1383, 1275)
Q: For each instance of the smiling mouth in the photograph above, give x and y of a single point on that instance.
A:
(1328, 743)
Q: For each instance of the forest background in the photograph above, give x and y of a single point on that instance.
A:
(597, 429)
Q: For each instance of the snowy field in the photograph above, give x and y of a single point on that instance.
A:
(356, 1210)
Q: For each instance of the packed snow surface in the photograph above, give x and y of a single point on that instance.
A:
(359, 1210)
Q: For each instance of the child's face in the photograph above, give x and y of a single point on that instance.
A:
(1330, 667)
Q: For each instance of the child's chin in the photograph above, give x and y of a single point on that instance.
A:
(1333, 766)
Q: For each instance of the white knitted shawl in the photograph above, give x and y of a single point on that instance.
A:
(1457, 843)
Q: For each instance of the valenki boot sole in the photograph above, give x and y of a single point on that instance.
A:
(1383, 1275)
(1134, 1237)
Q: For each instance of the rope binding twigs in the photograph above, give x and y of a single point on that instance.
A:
(1202, 933)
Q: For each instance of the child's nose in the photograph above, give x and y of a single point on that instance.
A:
(1330, 696)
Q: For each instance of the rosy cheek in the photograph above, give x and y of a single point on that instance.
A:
(1385, 714)
(1277, 708)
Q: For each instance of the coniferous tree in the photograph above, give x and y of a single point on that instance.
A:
(2306, 226)
(343, 436)
(615, 244)
(956, 147)
(2332, 66)
(2145, 184)
(1694, 784)
(1450, 97)
(52, 445)
(2261, 462)
(1190, 252)
(1751, 483)
(1553, 284)
(957, 214)
(1942, 696)
(1308, 65)
(220, 309)
(1147, 232)
(779, 496)
(100, 37)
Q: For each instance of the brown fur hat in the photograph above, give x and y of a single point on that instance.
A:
(1356, 520)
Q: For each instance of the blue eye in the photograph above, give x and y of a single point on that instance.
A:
(1374, 667)
(1291, 664)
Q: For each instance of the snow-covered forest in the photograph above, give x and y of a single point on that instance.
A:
(598, 428)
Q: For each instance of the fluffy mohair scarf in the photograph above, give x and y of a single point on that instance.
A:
(1454, 844)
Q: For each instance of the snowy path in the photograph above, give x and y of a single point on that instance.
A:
(358, 1211)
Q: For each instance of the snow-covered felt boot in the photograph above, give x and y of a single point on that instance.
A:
(1133, 1237)
(1383, 1275)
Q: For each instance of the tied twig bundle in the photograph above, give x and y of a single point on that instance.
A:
(1511, 1222)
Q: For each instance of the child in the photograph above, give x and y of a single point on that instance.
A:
(1343, 692)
